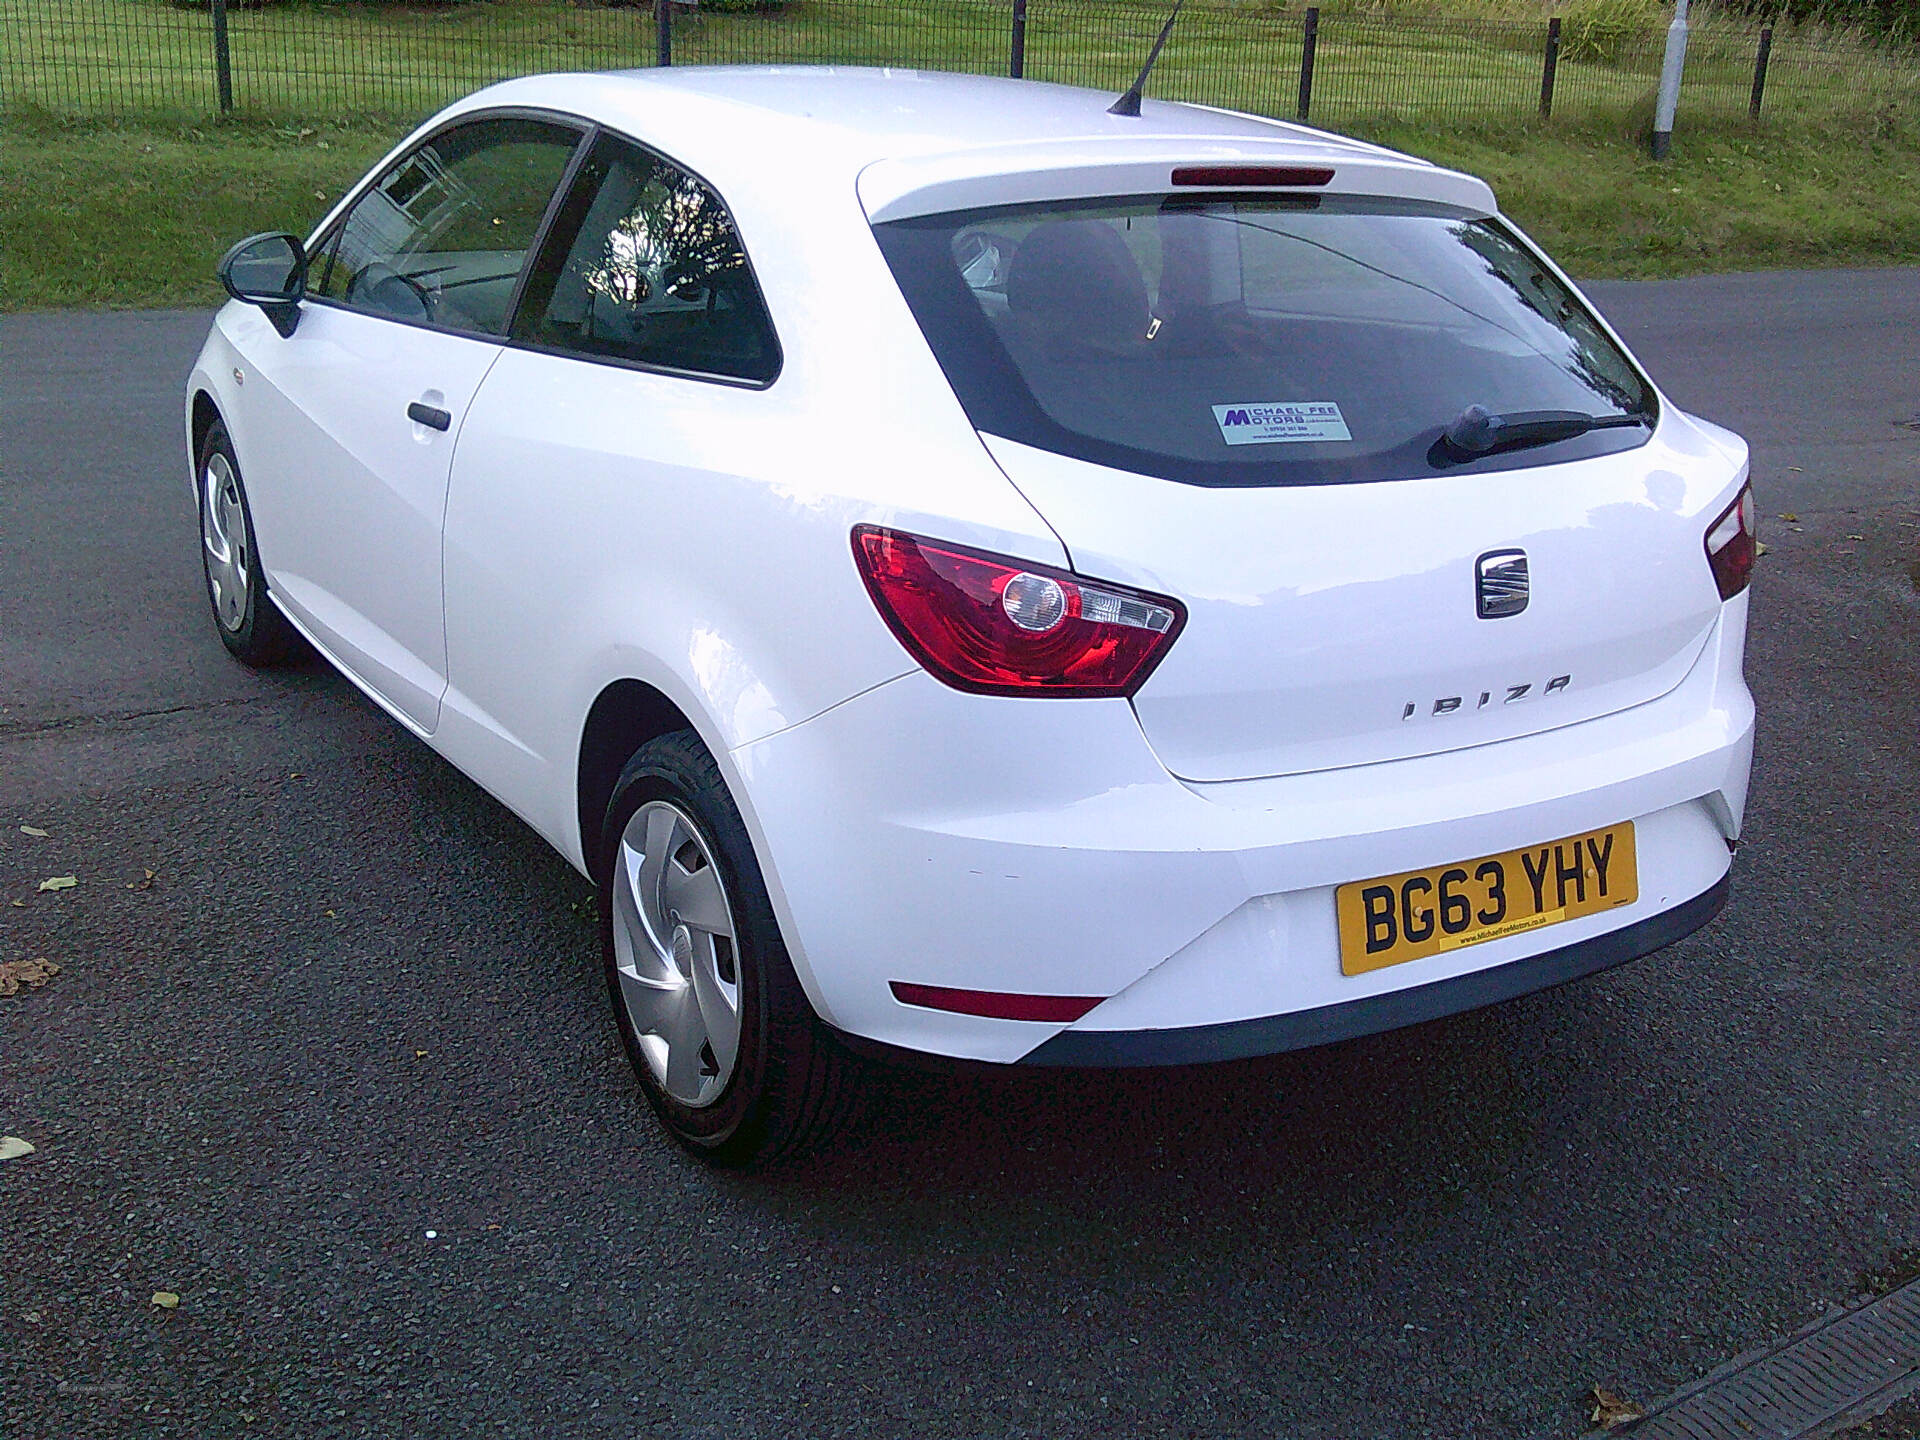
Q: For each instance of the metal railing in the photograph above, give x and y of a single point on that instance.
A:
(298, 59)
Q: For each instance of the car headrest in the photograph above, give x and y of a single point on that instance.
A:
(1078, 280)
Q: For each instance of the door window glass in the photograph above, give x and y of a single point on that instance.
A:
(644, 265)
(441, 238)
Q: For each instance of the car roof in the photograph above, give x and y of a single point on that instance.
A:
(919, 130)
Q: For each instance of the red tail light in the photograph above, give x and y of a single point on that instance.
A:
(1731, 545)
(995, 626)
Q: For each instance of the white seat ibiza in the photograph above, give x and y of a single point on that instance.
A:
(971, 573)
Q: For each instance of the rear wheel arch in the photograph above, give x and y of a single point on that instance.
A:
(623, 717)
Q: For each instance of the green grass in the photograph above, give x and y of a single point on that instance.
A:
(119, 188)
(108, 216)
(143, 59)
(1726, 200)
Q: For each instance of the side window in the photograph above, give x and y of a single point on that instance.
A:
(442, 236)
(644, 264)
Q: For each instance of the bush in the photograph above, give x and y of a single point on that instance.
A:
(1605, 30)
(1896, 20)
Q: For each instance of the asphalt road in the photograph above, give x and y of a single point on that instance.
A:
(342, 1076)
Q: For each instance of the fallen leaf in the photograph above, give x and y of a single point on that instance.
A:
(418, 1054)
(59, 882)
(33, 830)
(1856, 537)
(296, 775)
(1759, 547)
(330, 915)
(19, 904)
(146, 884)
(1796, 469)
(1788, 516)
(166, 1299)
(1611, 1412)
(12, 1147)
(34, 973)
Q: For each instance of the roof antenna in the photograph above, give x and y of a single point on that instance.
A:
(1129, 103)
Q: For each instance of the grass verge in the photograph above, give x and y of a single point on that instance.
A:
(1726, 200)
(106, 217)
(102, 216)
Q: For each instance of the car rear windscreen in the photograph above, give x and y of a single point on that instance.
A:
(1269, 340)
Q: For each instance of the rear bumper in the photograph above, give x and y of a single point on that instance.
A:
(1301, 1029)
(1039, 848)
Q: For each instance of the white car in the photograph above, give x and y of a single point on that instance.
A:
(971, 573)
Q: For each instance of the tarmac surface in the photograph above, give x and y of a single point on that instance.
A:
(340, 1074)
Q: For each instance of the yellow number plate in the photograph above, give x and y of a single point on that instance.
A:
(1397, 918)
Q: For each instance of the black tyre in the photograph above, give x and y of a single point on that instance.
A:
(714, 1020)
(249, 624)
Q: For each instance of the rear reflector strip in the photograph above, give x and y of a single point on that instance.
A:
(996, 1004)
(1229, 176)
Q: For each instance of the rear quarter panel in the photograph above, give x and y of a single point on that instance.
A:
(608, 522)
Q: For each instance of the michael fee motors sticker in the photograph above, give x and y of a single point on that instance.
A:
(1279, 421)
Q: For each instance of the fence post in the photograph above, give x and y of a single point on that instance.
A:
(1672, 69)
(1309, 41)
(1551, 67)
(663, 32)
(223, 58)
(1017, 55)
(1760, 69)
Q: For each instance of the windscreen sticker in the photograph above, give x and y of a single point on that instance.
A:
(1280, 421)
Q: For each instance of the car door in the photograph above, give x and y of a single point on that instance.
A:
(600, 482)
(410, 296)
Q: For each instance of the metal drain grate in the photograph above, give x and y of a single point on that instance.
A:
(1837, 1372)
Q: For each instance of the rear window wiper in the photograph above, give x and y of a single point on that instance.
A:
(1478, 431)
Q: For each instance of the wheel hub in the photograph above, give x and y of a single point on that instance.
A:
(674, 956)
(223, 532)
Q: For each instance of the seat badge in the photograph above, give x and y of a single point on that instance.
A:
(1501, 586)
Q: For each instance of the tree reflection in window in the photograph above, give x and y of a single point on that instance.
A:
(1587, 355)
(656, 273)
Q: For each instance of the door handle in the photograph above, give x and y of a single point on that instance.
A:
(426, 415)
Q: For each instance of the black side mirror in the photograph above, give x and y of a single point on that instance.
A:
(269, 271)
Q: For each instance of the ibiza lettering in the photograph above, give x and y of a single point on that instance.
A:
(1486, 699)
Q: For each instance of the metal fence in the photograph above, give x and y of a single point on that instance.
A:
(311, 58)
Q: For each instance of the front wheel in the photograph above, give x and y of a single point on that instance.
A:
(253, 630)
(713, 1018)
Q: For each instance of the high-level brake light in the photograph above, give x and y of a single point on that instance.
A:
(996, 626)
(1228, 177)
